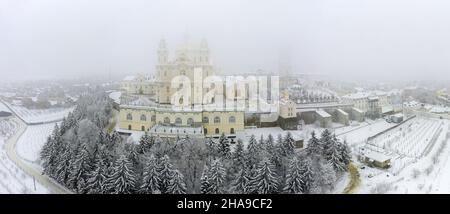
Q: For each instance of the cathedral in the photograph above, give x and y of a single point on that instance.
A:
(146, 103)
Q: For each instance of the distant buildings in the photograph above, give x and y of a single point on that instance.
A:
(374, 104)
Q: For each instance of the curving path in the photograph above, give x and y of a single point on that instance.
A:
(10, 146)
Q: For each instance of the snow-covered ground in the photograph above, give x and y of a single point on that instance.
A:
(40, 115)
(359, 133)
(420, 162)
(13, 179)
(32, 140)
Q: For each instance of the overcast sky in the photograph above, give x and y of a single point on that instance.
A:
(348, 38)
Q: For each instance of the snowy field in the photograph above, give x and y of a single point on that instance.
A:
(358, 134)
(40, 115)
(32, 140)
(420, 153)
(12, 179)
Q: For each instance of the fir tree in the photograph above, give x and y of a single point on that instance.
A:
(150, 179)
(345, 154)
(224, 147)
(165, 171)
(314, 147)
(306, 176)
(239, 185)
(176, 184)
(204, 182)
(266, 180)
(79, 169)
(252, 152)
(211, 148)
(325, 140)
(238, 156)
(288, 145)
(122, 180)
(294, 182)
(333, 154)
(216, 178)
(97, 177)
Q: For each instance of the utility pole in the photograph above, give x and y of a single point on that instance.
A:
(34, 183)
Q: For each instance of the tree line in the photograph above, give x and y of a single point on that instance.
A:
(82, 156)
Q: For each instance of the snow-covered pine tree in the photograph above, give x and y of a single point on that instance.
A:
(288, 145)
(165, 171)
(122, 179)
(146, 142)
(333, 154)
(238, 156)
(97, 177)
(79, 169)
(306, 175)
(324, 177)
(294, 182)
(204, 182)
(345, 154)
(266, 180)
(216, 177)
(325, 140)
(211, 148)
(224, 147)
(252, 153)
(176, 184)
(150, 178)
(270, 145)
(63, 165)
(313, 147)
(47, 156)
(239, 185)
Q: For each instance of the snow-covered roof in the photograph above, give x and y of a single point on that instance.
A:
(342, 111)
(377, 156)
(385, 109)
(142, 101)
(322, 113)
(357, 110)
(439, 109)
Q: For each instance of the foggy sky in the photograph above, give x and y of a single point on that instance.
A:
(382, 39)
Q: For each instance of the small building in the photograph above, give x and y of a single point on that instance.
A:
(323, 118)
(397, 118)
(376, 159)
(357, 114)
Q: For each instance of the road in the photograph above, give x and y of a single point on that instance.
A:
(47, 182)
(354, 179)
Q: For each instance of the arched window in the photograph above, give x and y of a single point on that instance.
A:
(143, 117)
(205, 120)
(232, 130)
(142, 128)
(166, 120)
(205, 131)
(129, 116)
(232, 119)
(178, 121)
(153, 118)
(190, 121)
(216, 119)
(129, 127)
(217, 131)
